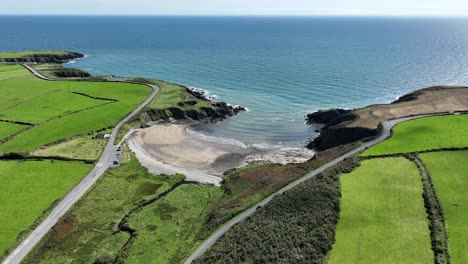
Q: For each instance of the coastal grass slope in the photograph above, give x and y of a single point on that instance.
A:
(28, 188)
(382, 218)
(449, 172)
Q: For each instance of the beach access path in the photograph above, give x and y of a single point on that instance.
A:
(387, 132)
(105, 161)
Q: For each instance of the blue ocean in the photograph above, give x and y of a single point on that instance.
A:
(280, 68)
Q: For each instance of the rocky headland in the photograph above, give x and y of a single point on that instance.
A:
(42, 57)
(342, 126)
(196, 106)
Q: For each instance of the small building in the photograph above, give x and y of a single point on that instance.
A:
(102, 136)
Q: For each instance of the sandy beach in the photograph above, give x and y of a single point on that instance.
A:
(168, 148)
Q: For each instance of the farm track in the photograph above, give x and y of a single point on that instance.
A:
(105, 161)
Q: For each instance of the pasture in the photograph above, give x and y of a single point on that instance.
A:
(425, 134)
(171, 224)
(8, 129)
(382, 218)
(22, 54)
(84, 147)
(173, 95)
(63, 109)
(87, 235)
(449, 172)
(28, 188)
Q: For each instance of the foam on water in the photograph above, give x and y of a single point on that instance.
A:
(217, 140)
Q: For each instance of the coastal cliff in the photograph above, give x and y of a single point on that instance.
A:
(342, 126)
(335, 132)
(217, 111)
(178, 102)
(40, 57)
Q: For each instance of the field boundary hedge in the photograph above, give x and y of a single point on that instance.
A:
(435, 212)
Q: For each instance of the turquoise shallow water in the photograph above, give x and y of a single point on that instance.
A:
(279, 68)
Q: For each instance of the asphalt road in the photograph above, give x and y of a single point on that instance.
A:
(106, 160)
(387, 128)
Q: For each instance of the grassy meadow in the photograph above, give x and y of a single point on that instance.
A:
(13, 71)
(425, 134)
(21, 54)
(28, 188)
(382, 218)
(84, 147)
(87, 235)
(8, 129)
(168, 229)
(174, 95)
(449, 171)
(59, 112)
(52, 105)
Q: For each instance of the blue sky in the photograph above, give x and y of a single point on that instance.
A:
(236, 7)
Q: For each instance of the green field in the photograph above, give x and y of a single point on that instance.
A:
(167, 230)
(87, 235)
(29, 188)
(449, 171)
(21, 54)
(8, 129)
(51, 105)
(78, 148)
(13, 71)
(382, 218)
(425, 134)
(173, 95)
(4, 68)
(61, 113)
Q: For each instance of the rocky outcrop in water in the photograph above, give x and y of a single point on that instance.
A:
(43, 58)
(325, 116)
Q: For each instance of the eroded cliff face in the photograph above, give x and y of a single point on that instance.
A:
(335, 132)
(45, 58)
(216, 112)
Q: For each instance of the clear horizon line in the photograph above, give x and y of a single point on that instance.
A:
(246, 15)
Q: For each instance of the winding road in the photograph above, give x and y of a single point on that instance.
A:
(387, 131)
(105, 161)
